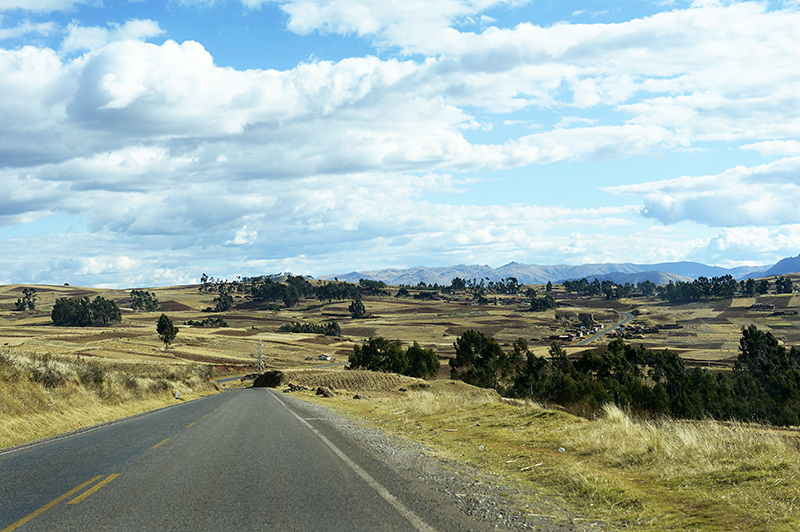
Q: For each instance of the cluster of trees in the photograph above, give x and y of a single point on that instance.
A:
(764, 385)
(477, 287)
(27, 301)
(608, 289)
(328, 329)
(208, 322)
(143, 301)
(783, 285)
(480, 360)
(379, 354)
(373, 288)
(329, 291)
(702, 288)
(545, 302)
(480, 288)
(85, 312)
(296, 287)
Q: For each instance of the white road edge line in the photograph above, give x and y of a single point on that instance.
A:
(412, 518)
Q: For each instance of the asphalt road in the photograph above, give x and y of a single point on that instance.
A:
(241, 460)
(626, 318)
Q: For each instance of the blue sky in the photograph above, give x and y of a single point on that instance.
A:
(143, 143)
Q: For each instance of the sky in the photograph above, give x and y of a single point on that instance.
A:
(146, 142)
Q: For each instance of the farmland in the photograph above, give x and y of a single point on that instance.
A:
(648, 474)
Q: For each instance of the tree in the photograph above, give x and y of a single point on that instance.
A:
(104, 312)
(783, 285)
(224, 302)
(28, 300)
(748, 287)
(357, 309)
(763, 286)
(479, 360)
(458, 284)
(422, 362)
(143, 301)
(166, 330)
(647, 288)
(379, 354)
(545, 302)
(549, 287)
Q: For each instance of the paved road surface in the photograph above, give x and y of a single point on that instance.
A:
(240, 460)
(627, 317)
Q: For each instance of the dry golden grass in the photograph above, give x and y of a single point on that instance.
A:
(47, 395)
(647, 475)
(340, 380)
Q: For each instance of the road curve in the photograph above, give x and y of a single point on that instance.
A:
(626, 318)
(244, 459)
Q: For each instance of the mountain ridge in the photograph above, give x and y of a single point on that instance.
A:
(620, 273)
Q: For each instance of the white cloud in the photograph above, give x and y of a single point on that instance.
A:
(392, 23)
(40, 6)
(774, 147)
(765, 195)
(26, 27)
(94, 37)
(744, 243)
(95, 266)
(159, 148)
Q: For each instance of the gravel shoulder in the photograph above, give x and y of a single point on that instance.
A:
(488, 502)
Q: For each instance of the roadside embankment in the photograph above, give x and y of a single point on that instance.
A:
(46, 395)
(626, 473)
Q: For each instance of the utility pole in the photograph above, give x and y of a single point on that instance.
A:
(260, 353)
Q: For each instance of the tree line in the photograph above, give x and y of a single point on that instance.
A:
(608, 289)
(84, 312)
(328, 329)
(724, 287)
(764, 385)
(380, 354)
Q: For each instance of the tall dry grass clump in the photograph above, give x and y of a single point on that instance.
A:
(44, 395)
(676, 446)
(724, 472)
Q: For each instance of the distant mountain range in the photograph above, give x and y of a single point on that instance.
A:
(619, 273)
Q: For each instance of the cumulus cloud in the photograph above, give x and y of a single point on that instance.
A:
(763, 195)
(392, 23)
(158, 147)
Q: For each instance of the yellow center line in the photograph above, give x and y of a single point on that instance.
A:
(190, 424)
(94, 488)
(159, 443)
(49, 505)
